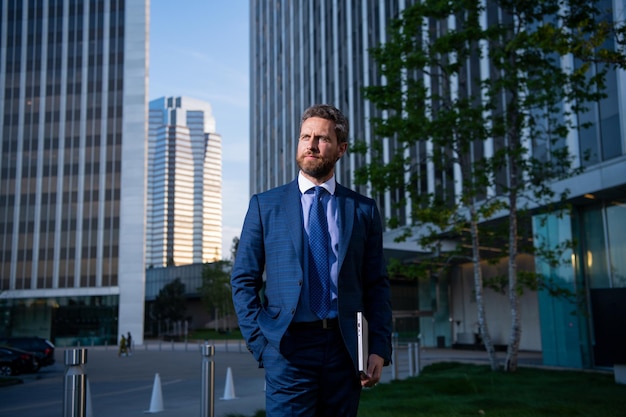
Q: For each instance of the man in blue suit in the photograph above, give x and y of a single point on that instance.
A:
(310, 257)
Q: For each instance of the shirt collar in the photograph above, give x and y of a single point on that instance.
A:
(305, 184)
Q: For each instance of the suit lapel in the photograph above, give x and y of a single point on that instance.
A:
(346, 209)
(293, 211)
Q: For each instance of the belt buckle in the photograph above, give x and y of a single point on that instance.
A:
(324, 323)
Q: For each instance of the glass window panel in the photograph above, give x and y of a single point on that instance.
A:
(594, 254)
(616, 226)
(611, 138)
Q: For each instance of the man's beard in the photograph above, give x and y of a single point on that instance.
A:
(320, 168)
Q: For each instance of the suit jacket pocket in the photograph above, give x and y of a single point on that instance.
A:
(267, 319)
(271, 312)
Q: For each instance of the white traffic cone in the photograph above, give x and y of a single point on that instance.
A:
(229, 387)
(88, 406)
(156, 402)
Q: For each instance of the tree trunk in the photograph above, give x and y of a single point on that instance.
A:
(478, 288)
(510, 363)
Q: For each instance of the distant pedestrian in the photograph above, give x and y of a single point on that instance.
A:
(129, 344)
(123, 347)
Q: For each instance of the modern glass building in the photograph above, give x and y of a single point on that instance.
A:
(73, 100)
(184, 184)
(306, 52)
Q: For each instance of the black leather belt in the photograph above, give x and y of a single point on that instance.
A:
(327, 324)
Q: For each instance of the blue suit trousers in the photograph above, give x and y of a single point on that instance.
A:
(313, 375)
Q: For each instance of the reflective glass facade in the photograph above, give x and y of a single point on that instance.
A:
(68, 321)
(73, 129)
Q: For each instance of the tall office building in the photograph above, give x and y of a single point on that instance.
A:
(184, 184)
(73, 83)
(305, 52)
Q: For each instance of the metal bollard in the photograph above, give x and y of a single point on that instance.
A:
(416, 351)
(411, 365)
(75, 388)
(394, 354)
(207, 396)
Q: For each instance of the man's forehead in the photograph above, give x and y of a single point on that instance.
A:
(318, 124)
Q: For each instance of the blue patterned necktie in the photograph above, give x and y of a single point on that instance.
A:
(319, 272)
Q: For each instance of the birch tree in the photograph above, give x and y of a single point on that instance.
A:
(478, 108)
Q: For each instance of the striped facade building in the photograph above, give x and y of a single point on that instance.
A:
(73, 100)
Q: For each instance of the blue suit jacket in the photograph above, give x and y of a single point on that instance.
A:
(272, 246)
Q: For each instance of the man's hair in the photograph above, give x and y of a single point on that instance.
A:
(328, 112)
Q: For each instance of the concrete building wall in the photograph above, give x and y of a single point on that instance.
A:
(463, 312)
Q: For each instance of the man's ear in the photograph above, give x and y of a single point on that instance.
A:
(343, 148)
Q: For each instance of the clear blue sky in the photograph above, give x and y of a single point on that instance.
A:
(199, 49)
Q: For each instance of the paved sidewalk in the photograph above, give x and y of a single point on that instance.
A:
(123, 386)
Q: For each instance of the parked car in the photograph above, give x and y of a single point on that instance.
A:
(9, 364)
(15, 361)
(43, 348)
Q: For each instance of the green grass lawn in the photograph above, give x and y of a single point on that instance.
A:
(450, 389)
(209, 334)
(454, 389)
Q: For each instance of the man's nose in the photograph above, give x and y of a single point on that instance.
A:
(314, 142)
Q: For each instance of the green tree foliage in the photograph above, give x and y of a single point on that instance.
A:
(233, 248)
(497, 138)
(216, 292)
(170, 303)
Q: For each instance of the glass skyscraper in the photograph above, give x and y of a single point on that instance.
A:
(73, 83)
(305, 52)
(184, 184)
